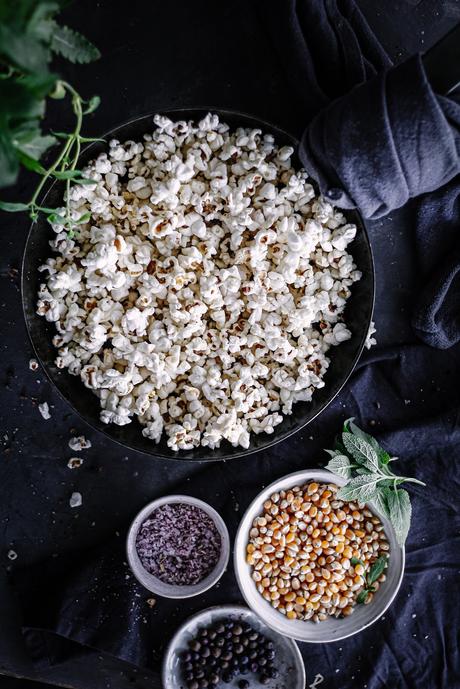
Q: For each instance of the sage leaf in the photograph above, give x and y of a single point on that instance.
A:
(340, 465)
(377, 569)
(360, 488)
(362, 596)
(362, 434)
(356, 561)
(380, 500)
(361, 451)
(400, 512)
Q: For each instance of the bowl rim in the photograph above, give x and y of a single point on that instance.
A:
(235, 609)
(175, 591)
(293, 479)
(178, 456)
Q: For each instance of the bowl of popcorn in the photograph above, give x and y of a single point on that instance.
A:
(312, 566)
(208, 302)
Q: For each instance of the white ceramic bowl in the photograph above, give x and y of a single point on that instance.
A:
(288, 659)
(154, 584)
(331, 629)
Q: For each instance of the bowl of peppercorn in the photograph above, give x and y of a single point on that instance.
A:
(178, 546)
(230, 645)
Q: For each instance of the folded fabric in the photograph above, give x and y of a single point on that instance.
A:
(386, 141)
(436, 318)
(377, 136)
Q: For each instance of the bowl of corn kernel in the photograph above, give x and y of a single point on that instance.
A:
(312, 566)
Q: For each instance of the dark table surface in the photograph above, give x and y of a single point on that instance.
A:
(157, 56)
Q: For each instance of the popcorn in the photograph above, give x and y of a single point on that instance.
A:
(204, 293)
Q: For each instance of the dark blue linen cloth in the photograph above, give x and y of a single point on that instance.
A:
(385, 138)
(70, 611)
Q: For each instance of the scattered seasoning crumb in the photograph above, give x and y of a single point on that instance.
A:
(74, 463)
(151, 602)
(33, 365)
(79, 443)
(75, 500)
(12, 555)
(44, 410)
(179, 543)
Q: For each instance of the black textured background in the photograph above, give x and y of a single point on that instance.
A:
(70, 578)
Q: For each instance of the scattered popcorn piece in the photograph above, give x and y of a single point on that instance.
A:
(33, 365)
(79, 443)
(75, 500)
(204, 294)
(12, 555)
(44, 410)
(151, 602)
(370, 341)
(74, 463)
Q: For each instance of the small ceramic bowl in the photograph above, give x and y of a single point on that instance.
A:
(331, 629)
(288, 659)
(151, 582)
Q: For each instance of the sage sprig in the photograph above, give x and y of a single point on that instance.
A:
(359, 458)
(374, 573)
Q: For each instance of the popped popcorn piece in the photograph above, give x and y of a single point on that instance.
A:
(74, 462)
(33, 365)
(371, 341)
(76, 500)
(12, 555)
(204, 293)
(44, 410)
(79, 443)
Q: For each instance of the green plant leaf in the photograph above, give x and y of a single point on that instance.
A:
(340, 465)
(362, 596)
(377, 569)
(72, 45)
(380, 500)
(400, 511)
(356, 561)
(360, 488)
(37, 146)
(93, 104)
(9, 163)
(361, 451)
(13, 207)
(24, 50)
(365, 436)
(31, 163)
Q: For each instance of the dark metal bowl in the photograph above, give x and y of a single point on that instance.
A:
(358, 315)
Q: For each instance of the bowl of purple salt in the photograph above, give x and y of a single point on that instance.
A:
(178, 546)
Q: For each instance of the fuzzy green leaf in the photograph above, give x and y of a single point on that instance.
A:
(340, 465)
(356, 561)
(360, 488)
(377, 569)
(72, 45)
(361, 451)
(380, 500)
(362, 596)
(400, 511)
